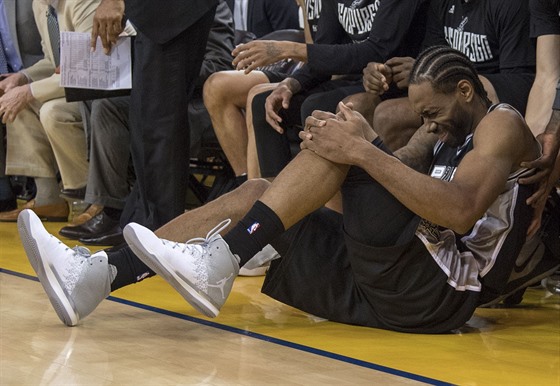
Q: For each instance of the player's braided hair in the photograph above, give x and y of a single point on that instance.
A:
(444, 67)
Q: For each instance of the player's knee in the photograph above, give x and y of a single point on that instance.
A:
(394, 127)
(384, 120)
(215, 90)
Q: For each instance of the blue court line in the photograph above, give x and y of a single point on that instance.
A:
(262, 337)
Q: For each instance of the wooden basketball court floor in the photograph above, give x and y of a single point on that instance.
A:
(145, 334)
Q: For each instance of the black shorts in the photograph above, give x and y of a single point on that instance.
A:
(512, 88)
(342, 269)
(275, 76)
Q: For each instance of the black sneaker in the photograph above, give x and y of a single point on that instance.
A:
(534, 263)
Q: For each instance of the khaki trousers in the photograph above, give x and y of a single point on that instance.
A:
(48, 138)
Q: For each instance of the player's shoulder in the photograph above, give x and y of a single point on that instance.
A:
(503, 115)
(503, 124)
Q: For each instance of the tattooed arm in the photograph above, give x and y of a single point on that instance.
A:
(418, 152)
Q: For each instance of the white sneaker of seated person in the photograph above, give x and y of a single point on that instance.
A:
(75, 281)
(259, 264)
(202, 270)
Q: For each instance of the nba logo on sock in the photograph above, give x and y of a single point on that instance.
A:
(253, 228)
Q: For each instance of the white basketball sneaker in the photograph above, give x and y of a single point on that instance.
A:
(75, 281)
(202, 270)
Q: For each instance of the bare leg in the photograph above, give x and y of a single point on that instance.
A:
(292, 196)
(294, 193)
(365, 103)
(253, 169)
(197, 222)
(335, 203)
(225, 97)
(395, 122)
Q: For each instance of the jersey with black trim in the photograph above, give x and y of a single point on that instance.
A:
(466, 258)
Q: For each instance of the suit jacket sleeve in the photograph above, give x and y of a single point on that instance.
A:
(163, 20)
(219, 46)
(74, 16)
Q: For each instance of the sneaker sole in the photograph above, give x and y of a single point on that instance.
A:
(47, 276)
(179, 283)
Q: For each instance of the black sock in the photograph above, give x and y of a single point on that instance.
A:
(258, 228)
(130, 269)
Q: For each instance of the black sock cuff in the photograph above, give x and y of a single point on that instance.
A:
(130, 269)
(261, 208)
(259, 227)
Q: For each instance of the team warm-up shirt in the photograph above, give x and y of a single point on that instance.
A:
(352, 33)
(494, 34)
(312, 13)
(545, 17)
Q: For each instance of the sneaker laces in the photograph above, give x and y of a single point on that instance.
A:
(78, 249)
(199, 241)
(203, 241)
(72, 273)
(82, 251)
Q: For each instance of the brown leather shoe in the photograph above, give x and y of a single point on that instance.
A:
(56, 212)
(90, 212)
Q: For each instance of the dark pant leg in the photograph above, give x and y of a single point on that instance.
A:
(372, 215)
(273, 148)
(163, 81)
(6, 191)
(328, 100)
(108, 183)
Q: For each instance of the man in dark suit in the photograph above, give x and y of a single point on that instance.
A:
(168, 53)
(107, 121)
(21, 31)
